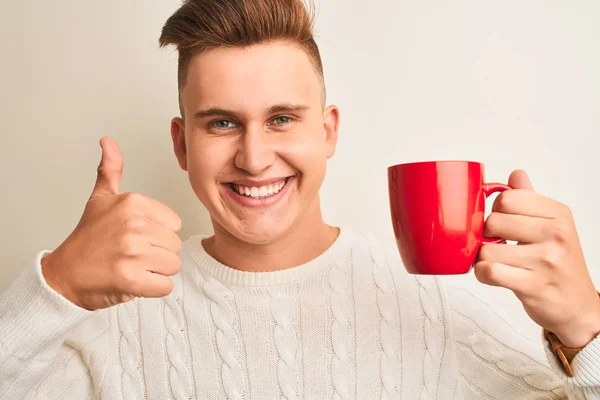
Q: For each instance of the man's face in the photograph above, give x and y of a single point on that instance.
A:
(256, 139)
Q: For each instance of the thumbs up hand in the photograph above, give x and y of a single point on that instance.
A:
(124, 246)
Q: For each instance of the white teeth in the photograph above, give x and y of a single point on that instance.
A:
(259, 192)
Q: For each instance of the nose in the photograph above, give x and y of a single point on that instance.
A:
(255, 153)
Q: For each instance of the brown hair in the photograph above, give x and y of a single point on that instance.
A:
(200, 25)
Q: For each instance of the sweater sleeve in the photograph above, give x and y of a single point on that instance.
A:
(585, 366)
(498, 359)
(67, 378)
(35, 323)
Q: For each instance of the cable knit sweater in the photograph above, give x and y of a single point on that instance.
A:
(351, 324)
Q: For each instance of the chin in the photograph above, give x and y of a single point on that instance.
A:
(260, 234)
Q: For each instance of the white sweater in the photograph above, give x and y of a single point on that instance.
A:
(351, 324)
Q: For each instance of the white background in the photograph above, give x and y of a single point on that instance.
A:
(512, 84)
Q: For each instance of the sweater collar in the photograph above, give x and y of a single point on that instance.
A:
(234, 277)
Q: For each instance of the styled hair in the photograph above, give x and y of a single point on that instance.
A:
(200, 25)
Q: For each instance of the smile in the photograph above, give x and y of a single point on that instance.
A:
(260, 192)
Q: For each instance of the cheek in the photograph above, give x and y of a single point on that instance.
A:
(309, 157)
(206, 161)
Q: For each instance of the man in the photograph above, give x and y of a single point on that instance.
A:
(278, 304)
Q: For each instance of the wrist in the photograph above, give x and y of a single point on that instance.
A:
(584, 331)
(50, 268)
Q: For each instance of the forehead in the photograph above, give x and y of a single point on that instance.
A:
(256, 76)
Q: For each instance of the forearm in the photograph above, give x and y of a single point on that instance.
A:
(34, 322)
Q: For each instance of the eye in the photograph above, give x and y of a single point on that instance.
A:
(282, 120)
(224, 124)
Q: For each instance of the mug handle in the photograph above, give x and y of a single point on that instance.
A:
(488, 189)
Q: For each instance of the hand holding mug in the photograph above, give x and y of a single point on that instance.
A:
(438, 217)
(547, 270)
(124, 246)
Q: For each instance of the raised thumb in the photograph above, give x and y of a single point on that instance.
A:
(109, 170)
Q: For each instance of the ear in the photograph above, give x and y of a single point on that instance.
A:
(331, 122)
(178, 137)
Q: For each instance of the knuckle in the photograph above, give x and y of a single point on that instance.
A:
(484, 253)
(177, 223)
(132, 200)
(135, 224)
(484, 272)
(543, 284)
(552, 255)
(172, 266)
(101, 169)
(492, 224)
(503, 201)
(557, 231)
(165, 288)
(490, 273)
(128, 281)
(129, 247)
(566, 210)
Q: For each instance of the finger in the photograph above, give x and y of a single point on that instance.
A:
(516, 227)
(153, 285)
(160, 261)
(163, 215)
(497, 274)
(162, 237)
(109, 170)
(517, 256)
(519, 179)
(530, 203)
(153, 210)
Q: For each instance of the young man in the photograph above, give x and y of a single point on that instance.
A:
(278, 304)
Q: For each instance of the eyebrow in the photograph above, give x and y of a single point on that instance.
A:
(277, 108)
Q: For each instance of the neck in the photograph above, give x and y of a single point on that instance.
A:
(302, 243)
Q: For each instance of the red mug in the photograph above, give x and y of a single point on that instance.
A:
(437, 212)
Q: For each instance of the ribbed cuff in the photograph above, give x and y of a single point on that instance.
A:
(33, 315)
(585, 365)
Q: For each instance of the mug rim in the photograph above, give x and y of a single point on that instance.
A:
(415, 163)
